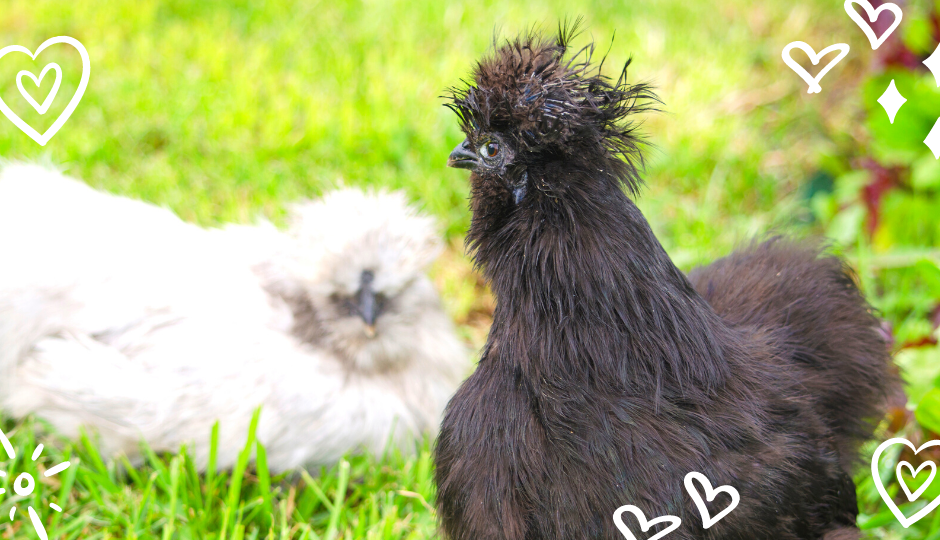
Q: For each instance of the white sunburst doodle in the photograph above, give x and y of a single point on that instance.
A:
(25, 484)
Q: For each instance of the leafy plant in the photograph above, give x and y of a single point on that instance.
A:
(884, 210)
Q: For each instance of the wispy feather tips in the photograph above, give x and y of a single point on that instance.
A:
(546, 97)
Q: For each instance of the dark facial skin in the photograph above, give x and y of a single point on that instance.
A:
(488, 155)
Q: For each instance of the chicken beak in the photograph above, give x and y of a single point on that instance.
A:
(366, 302)
(367, 308)
(463, 157)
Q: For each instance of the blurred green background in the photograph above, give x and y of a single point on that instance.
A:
(227, 110)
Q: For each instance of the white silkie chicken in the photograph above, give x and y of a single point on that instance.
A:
(117, 315)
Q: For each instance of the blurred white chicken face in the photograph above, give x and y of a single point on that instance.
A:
(361, 263)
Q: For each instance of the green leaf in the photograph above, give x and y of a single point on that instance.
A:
(846, 225)
(176, 467)
(925, 172)
(264, 481)
(238, 476)
(339, 499)
(930, 273)
(918, 35)
(928, 411)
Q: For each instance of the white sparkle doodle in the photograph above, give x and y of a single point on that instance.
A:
(25, 484)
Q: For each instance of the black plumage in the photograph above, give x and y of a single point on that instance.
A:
(608, 374)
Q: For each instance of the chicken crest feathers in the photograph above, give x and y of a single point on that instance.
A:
(380, 229)
(549, 97)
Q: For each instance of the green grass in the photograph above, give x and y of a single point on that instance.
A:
(226, 110)
(382, 497)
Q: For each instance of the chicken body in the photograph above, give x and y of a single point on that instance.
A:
(607, 375)
(118, 316)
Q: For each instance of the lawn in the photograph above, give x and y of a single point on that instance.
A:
(227, 110)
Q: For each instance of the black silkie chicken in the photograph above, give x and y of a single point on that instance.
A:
(608, 374)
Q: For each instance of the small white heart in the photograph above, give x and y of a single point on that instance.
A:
(873, 16)
(710, 494)
(876, 476)
(41, 109)
(645, 525)
(813, 83)
(43, 138)
(923, 487)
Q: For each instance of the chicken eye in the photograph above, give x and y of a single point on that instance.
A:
(489, 150)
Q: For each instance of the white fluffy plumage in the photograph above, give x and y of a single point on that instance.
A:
(116, 314)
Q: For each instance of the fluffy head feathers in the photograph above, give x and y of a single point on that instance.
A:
(551, 101)
(350, 230)
(355, 276)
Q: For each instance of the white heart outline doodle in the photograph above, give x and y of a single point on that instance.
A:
(873, 16)
(46, 103)
(710, 494)
(79, 92)
(813, 83)
(904, 520)
(645, 525)
(923, 487)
